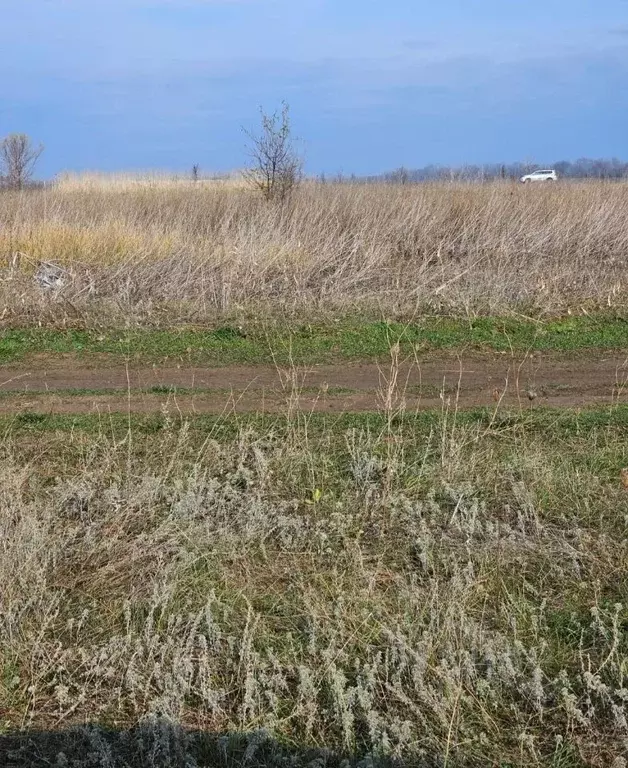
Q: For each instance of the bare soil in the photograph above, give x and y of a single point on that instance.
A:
(45, 385)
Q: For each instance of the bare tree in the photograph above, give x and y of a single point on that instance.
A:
(18, 156)
(401, 175)
(195, 172)
(276, 167)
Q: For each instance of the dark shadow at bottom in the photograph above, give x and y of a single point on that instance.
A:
(157, 743)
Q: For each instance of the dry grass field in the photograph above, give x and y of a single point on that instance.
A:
(298, 586)
(163, 250)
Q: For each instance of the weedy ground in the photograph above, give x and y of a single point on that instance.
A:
(165, 253)
(447, 588)
(441, 588)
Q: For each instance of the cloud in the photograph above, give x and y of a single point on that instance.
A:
(418, 44)
(131, 4)
(353, 114)
(151, 73)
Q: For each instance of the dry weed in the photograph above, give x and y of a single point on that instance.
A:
(455, 599)
(196, 250)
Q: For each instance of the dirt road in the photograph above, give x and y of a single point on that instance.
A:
(61, 385)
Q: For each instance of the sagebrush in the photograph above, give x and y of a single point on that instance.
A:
(453, 595)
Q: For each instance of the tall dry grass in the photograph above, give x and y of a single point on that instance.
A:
(127, 182)
(197, 250)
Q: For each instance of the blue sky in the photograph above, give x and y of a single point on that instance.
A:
(372, 84)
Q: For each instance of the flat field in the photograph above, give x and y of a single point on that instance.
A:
(343, 480)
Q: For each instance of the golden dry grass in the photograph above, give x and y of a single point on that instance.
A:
(123, 182)
(208, 248)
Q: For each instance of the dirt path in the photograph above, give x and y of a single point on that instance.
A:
(475, 379)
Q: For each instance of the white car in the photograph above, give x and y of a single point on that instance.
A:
(540, 176)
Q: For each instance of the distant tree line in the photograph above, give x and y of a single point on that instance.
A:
(584, 168)
(276, 168)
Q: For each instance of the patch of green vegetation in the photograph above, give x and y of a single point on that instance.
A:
(116, 423)
(307, 344)
(558, 422)
(30, 418)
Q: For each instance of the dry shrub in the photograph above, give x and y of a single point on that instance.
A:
(459, 613)
(198, 250)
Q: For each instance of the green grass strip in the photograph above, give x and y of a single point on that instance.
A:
(559, 422)
(306, 344)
